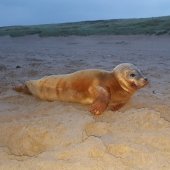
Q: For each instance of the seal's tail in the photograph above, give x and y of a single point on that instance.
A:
(22, 89)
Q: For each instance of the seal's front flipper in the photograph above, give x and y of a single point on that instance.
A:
(101, 102)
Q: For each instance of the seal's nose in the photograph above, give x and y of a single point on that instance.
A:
(145, 79)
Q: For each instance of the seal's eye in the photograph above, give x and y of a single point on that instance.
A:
(132, 75)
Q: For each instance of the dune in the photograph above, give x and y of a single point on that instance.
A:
(43, 135)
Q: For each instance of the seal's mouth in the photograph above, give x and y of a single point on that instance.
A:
(136, 87)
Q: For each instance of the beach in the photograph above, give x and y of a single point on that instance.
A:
(41, 135)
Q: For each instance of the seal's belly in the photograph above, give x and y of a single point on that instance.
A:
(75, 96)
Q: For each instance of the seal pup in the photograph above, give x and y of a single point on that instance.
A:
(102, 89)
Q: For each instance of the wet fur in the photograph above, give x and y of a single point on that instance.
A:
(100, 88)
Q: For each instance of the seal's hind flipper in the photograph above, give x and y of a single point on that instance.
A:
(22, 89)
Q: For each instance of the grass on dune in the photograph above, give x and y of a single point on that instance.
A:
(156, 26)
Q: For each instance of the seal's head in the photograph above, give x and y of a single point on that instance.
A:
(130, 77)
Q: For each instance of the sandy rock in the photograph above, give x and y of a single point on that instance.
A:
(28, 141)
(119, 150)
(139, 119)
(36, 135)
(92, 147)
(97, 129)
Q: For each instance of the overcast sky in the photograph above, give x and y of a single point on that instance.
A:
(30, 12)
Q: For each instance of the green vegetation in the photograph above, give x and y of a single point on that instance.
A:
(157, 26)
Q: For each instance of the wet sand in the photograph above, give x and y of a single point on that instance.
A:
(36, 134)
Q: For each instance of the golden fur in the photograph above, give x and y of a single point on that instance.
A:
(99, 88)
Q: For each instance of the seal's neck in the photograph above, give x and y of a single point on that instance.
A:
(123, 84)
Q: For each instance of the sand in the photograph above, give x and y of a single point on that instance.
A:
(40, 135)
